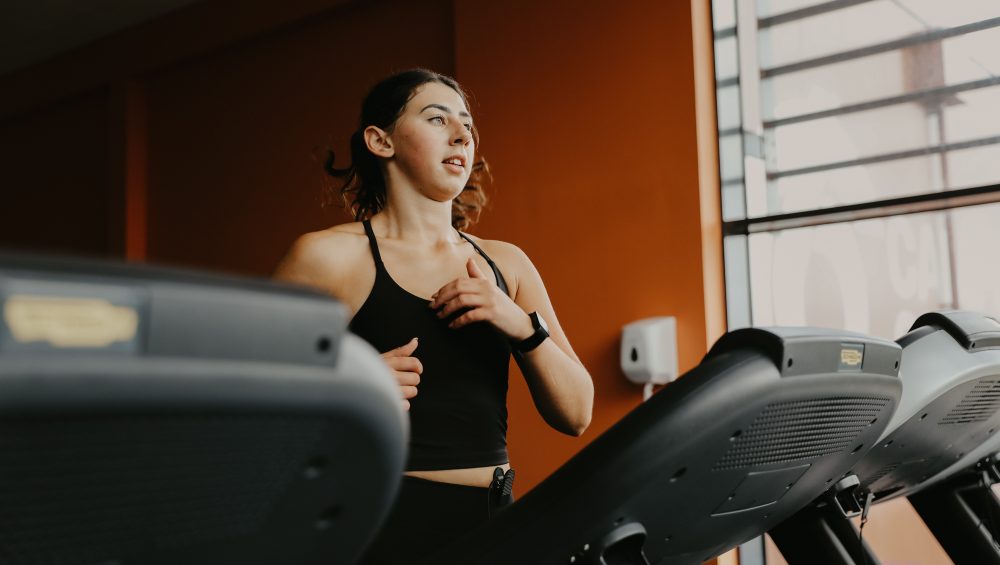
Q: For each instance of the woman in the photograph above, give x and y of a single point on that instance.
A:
(445, 308)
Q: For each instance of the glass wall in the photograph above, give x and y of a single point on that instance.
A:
(859, 147)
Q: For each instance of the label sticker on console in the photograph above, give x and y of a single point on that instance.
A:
(852, 356)
(69, 321)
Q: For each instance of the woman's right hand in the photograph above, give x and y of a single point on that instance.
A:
(406, 368)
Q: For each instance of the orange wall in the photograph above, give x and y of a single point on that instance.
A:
(588, 119)
(55, 183)
(232, 180)
(589, 124)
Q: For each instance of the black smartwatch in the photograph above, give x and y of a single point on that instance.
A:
(535, 339)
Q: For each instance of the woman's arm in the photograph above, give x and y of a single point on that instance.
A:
(560, 385)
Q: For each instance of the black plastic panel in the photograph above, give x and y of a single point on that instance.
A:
(971, 329)
(224, 421)
(180, 314)
(716, 458)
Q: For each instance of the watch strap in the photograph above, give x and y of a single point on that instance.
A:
(535, 339)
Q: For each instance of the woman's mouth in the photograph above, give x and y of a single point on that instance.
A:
(455, 164)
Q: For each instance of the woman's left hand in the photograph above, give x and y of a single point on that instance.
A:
(484, 301)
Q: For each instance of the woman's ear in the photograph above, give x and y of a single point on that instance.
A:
(378, 142)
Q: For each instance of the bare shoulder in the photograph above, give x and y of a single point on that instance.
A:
(331, 246)
(514, 263)
(503, 253)
(323, 258)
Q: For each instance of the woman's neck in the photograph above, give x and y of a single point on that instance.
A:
(420, 221)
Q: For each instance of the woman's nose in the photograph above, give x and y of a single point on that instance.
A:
(463, 137)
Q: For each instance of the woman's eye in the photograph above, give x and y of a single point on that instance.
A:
(468, 127)
(437, 120)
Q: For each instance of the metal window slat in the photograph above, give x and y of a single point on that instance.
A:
(918, 39)
(807, 12)
(895, 156)
(928, 94)
(931, 202)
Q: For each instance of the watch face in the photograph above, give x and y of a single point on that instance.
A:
(541, 322)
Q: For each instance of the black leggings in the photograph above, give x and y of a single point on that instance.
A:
(427, 516)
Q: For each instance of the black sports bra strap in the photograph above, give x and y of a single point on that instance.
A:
(496, 271)
(373, 243)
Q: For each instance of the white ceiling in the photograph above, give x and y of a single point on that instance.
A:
(32, 31)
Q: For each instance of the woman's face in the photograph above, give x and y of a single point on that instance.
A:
(432, 142)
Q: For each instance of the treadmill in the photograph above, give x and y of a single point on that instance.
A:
(770, 419)
(959, 504)
(156, 416)
(947, 420)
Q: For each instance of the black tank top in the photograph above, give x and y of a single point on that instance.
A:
(459, 417)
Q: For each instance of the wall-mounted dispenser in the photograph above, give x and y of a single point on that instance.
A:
(649, 352)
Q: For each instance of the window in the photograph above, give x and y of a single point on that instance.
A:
(859, 148)
(859, 145)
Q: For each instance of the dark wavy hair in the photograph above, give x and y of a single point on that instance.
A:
(363, 189)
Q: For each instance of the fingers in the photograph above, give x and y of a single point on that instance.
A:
(406, 369)
(407, 378)
(459, 302)
(456, 287)
(473, 269)
(477, 315)
(449, 291)
(402, 351)
(407, 386)
(411, 364)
